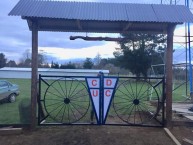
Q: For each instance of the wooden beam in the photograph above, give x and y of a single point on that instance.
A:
(96, 38)
(34, 77)
(127, 27)
(186, 141)
(172, 136)
(79, 25)
(169, 62)
(182, 123)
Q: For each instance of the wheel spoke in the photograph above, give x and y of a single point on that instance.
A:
(66, 88)
(124, 94)
(52, 104)
(64, 110)
(62, 89)
(73, 113)
(59, 111)
(68, 114)
(140, 90)
(132, 89)
(79, 101)
(77, 93)
(69, 92)
(130, 101)
(74, 98)
(118, 96)
(143, 94)
(56, 100)
(131, 95)
(130, 114)
(55, 94)
(55, 109)
(139, 114)
(76, 109)
(123, 107)
(66, 101)
(134, 113)
(120, 102)
(74, 90)
(56, 90)
(80, 106)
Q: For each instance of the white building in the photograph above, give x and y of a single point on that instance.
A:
(25, 73)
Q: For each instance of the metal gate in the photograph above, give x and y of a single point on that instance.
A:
(102, 100)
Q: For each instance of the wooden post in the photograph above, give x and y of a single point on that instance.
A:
(169, 72)
(34, 76)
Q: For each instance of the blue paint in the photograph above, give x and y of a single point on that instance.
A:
(190, 55)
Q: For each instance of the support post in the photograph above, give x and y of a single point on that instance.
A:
(169, 62)
(34, 77)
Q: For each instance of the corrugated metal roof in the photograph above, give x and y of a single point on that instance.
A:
(103, 11)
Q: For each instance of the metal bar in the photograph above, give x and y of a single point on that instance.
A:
(163, 101)
(39, 102)
(190, 57)
(105, 76)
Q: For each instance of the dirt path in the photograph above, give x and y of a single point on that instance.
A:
(90, 135)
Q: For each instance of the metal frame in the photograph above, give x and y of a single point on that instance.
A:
(102, 120)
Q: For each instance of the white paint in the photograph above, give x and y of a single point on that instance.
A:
(109, 86)
(107, 97)
(109, 82)
(95, 93)
(93, 82)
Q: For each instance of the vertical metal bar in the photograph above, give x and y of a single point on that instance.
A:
(34, 74)
(190, 56)
(186, 48)
(39, 94)
(163, 101)
(169, 61)
(101, 98)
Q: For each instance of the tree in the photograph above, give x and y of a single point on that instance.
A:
(136, 51)
(70, 65)
(55, 65)
(11, 63)
(88, 64)
(97, 59)
(158, 62)
(3, 60)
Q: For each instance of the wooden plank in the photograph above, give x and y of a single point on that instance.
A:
(182, 108)
(172, 136)
(182, 123)
(189, 117)
(10, 131)
(186, 141)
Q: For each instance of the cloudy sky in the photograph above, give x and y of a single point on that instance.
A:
(15, 37)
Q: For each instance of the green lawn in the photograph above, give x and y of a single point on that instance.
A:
(53, 101)
(9, 112)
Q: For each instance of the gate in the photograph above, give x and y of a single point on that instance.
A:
(102, 100)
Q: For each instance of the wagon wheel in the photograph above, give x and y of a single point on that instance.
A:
(66, 100)
(132, 102)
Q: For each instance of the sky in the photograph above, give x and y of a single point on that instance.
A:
(15, 37)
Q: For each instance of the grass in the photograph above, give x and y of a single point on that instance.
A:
(9, 112)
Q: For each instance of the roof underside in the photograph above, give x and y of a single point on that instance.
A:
(100, 17)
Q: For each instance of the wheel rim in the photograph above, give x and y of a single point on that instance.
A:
(66, 100)
(12, 98)
(131, 101)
